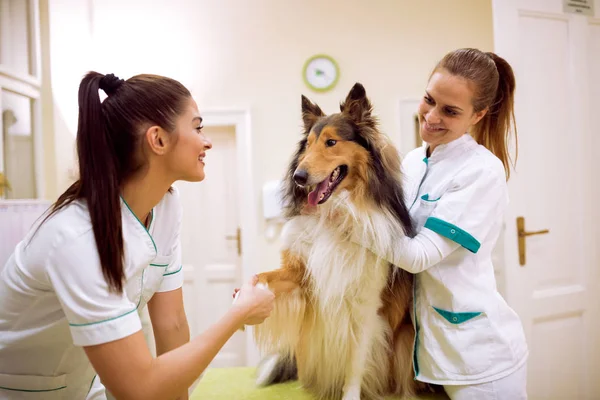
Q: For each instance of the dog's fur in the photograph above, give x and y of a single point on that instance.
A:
(342, 313)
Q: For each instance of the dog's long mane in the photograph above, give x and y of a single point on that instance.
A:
(384, 169)
(342, 321)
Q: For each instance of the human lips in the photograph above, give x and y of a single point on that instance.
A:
(432, 128)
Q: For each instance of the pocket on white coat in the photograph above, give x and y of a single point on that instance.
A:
(153, 276)
(461, 341)
(32, 387)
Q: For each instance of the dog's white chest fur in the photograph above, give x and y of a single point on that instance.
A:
(346, 278)
(342, 273)
(338, 267)
(346, 281)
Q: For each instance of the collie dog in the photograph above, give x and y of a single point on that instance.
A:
(341, 321)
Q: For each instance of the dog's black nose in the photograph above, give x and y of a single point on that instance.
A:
(300, 177)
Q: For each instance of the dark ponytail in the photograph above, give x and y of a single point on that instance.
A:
(99, 182)
(494, 82)
(109, 152)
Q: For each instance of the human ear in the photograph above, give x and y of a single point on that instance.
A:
(157, 140)
(478, 116)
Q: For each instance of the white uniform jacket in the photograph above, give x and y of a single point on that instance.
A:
(54, 298)
(466, 332)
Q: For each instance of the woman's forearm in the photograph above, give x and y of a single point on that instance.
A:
(172, 337)
(182, 366)
(128, 370)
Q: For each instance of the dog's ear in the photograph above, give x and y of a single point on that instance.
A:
(310, 113)
(357, 106)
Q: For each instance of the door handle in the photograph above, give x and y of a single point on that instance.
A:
(237, 237)
(522, 235)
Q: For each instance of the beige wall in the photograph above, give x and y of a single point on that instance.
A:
(249, 54)
(66, 43)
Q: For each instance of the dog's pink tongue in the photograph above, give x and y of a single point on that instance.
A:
(315, 195)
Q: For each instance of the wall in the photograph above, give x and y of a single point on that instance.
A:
(249, 54)
(66, 43)
(51, 173)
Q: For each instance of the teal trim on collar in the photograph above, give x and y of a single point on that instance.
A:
(456, 317)
(426, 160)
(453, 233)
(143, 226)
(420, 184)
(426, 198)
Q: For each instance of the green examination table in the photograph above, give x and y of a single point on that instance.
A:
(238, 384)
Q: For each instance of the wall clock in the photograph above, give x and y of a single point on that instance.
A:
(321, 73)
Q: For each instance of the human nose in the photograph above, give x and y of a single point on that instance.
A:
(432, 117)
(207, 143)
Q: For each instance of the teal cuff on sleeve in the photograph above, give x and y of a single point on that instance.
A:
(453, 233)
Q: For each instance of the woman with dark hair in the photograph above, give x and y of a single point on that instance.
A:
(72, 290)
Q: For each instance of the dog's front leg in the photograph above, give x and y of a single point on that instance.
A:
(281, 331)
(356, 371)
(287, 278)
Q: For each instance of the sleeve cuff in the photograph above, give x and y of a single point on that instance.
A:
(105, 331)
(453, 233)
(172, 280)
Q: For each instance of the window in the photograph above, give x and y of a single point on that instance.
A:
(20, 91)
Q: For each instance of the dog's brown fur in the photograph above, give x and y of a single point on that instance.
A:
(374, 293)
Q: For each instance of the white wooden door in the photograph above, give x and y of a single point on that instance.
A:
(21, 148)
(211, 256)
(18, 145)
(3, 178)
(556, 57)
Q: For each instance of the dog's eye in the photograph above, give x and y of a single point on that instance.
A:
(330, 143)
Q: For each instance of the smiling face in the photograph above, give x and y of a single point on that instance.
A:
(186, 159)
(446, 110)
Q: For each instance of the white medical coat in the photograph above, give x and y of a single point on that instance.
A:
(466, 332)
(54, 298)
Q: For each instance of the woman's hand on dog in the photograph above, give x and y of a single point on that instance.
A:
(255, 302)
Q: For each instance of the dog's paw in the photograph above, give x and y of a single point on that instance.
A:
(352, 393)
(263, 286)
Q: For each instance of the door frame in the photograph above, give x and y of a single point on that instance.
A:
(29, 84)
(240, 120)
(406, 139)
